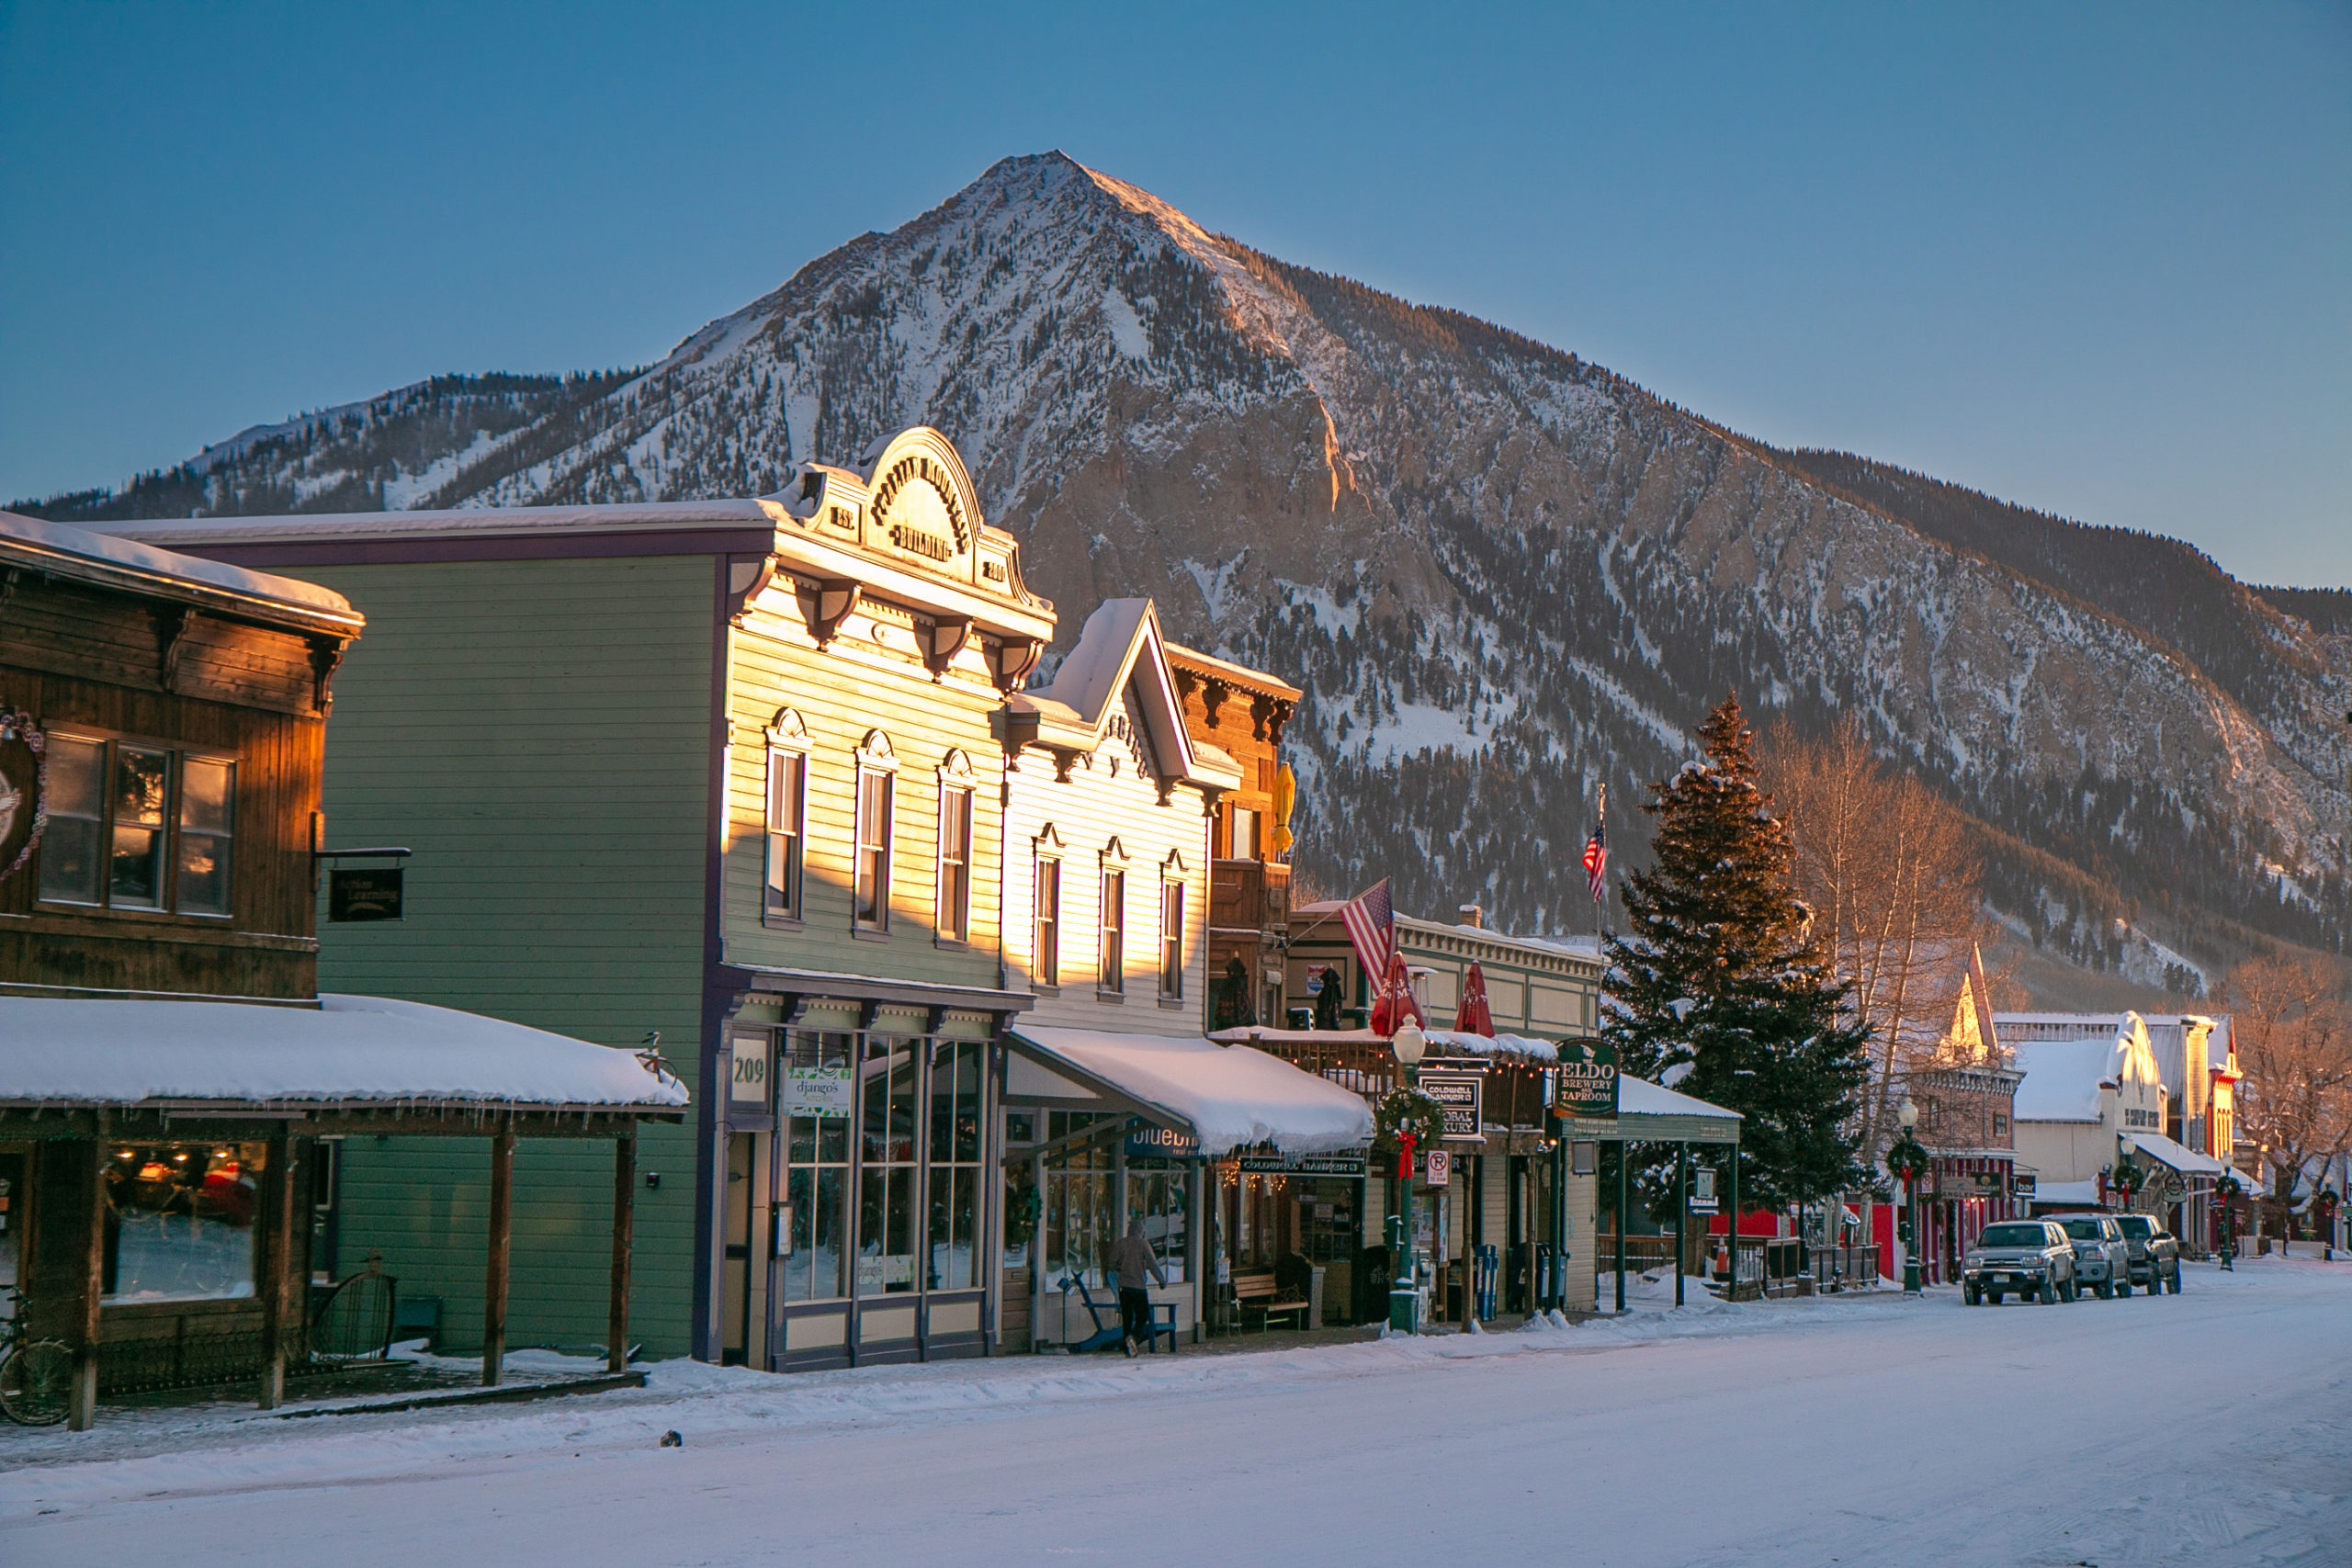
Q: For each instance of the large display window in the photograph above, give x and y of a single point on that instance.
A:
(953, 1181)
(814, 1113)
(179, 1221)
(885, 1174)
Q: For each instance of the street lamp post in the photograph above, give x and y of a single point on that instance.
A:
(1906, 1160)
(1404, 1296)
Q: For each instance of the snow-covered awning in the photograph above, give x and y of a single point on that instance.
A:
(1228, 1097)
(1639, 1097)
(181, 1055)
(2177, 1155)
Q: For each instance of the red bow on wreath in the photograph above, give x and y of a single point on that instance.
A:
(1404, 1142)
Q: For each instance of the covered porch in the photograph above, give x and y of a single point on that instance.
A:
(163, 1158)
(1106, 1129)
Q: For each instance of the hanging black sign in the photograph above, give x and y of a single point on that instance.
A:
(363, 894)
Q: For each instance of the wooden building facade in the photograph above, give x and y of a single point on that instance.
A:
(1243, 712)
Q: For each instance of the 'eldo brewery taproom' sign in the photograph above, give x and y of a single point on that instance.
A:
(1588, 1079)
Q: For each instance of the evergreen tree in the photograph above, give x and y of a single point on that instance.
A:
(1718, 973)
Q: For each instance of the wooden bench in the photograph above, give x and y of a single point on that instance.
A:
(1256, 1292)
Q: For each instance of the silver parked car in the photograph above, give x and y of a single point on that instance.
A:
(2155, 1256)
(2102, 1257)
(2032, 1258)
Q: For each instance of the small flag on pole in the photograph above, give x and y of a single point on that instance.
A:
(1596, 852)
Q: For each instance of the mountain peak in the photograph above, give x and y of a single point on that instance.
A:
(1505, 576)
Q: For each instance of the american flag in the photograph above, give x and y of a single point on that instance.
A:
(1370, 920)
(1595, 864)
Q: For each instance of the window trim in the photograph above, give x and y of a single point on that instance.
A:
(1172, 886)
(874, 758)
(958, 789)
(1044, 851)
(1110, 983)
(786, 737)
(177, 755)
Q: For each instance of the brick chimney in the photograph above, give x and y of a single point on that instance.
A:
(1471, 915)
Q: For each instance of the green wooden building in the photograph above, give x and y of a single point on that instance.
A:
(721, 770)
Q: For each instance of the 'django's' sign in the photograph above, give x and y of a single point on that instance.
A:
(1588, 1079)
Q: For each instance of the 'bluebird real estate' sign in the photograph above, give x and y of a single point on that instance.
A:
(1588, 1079)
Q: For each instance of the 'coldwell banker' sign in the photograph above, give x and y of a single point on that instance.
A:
(1588, 1079)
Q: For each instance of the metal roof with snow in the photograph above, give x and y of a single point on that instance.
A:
(350, 1058)
(1228, 1097)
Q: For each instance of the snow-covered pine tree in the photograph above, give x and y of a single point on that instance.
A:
(1718, 973)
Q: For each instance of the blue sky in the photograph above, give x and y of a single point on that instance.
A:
(2095, 259)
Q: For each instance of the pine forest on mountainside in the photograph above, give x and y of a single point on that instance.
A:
(1504, 575)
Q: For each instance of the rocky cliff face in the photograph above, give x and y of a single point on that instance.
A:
(1504, 575)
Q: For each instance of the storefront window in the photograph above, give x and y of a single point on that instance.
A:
(179, 1221)
(955, 1175)
(1162, 1199)
(1078, 1191)
(816, 1185)
(886, 1178)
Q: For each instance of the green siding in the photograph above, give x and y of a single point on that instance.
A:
(538, 732)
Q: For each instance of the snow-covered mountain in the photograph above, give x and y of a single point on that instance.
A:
(1504, 574)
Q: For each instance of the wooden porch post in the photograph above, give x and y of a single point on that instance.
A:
(275, 1236)
(82, 1402)
(624, 1241)
(501, 1224)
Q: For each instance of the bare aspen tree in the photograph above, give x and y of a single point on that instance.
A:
(1896, 894)
(2293, 1031)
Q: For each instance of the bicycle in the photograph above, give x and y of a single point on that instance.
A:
(36, 1375)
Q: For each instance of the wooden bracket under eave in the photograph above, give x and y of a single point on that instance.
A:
(1010, 660)
(1213, 695)
(172, 622)
(746, 581)
(826, 603)
(942, 640)
(326, 653)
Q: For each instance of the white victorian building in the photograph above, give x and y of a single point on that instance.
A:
(1127, 1112)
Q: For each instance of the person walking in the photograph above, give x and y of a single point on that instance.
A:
(1134, 1262)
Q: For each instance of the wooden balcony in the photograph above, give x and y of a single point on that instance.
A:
(1248, 894)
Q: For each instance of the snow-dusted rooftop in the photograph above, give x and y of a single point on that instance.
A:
(1228, 1099)
(72, 1050)
(2062, 1077)
(77, 552)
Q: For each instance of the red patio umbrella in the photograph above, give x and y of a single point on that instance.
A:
(1471, 1016)
(1396, 1004)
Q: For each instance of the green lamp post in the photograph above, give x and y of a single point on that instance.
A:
(1908, 1160)
(1404, 1296)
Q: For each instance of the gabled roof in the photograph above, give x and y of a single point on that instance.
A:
(1121, 652)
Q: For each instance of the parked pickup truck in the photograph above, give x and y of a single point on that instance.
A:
(2032, 1258)
(2155, 1256)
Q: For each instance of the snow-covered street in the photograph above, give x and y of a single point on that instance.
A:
(2212, 1427)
